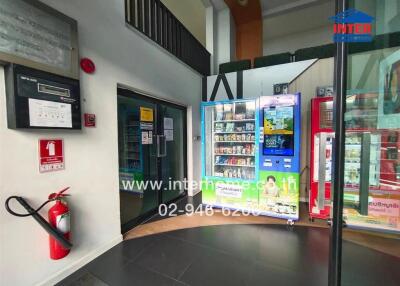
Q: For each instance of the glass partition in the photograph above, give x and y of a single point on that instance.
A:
(371, 194)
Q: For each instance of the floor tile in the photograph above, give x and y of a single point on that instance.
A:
(111, 261)
(169, 256)
(236, 255)
(260, 275)
(363, 266)
(214, 268)
(131, 249)
(86, 279)
(135, 275)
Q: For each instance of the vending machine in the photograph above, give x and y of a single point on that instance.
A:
(279, 155)
(251, 155)
(322, 136)
(371, 170)
(229, 154)
(129, 147)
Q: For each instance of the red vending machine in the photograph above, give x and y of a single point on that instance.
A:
(321, 157)
(372, 165)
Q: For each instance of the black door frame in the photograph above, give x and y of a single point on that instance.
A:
(132, 93)
(340, 86)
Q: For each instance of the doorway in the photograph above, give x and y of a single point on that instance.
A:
(152, 155)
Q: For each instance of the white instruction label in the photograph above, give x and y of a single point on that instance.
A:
(43, 113)
(63, 222)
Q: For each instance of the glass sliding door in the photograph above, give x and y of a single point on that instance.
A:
(137, 160)
(369, 199)
(152, 155)
(173, 171)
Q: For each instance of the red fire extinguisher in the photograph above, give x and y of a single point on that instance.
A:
(58, 226)
(59, 218)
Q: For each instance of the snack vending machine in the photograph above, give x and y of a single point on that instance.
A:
(229, 153)
(251, 155)
(322, 136)
(279, 155)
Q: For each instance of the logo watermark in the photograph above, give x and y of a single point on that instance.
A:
(352, 26)
(174, 185)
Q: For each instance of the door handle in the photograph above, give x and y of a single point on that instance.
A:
(161, 146)
(321, 171)
(364, 172)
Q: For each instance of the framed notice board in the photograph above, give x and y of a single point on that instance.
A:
(35, 35)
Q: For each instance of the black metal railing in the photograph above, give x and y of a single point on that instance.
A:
(155, 21)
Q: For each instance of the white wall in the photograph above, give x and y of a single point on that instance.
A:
(299, 40)
(192, 14)
(211, 36)
(224, 50)
(308, 26)
(121, 56)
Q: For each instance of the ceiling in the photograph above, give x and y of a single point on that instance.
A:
(274, 7)
(285, 17)
(297, 20)
(272, 4)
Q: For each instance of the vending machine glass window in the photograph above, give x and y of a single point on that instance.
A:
(326, 114)
(230, 129)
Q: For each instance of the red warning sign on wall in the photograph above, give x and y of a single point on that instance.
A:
(51, 155)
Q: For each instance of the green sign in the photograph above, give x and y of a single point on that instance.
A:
(275, 194)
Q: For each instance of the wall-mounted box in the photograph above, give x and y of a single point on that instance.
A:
(38, 99)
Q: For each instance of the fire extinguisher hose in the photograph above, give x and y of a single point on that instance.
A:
(35, 214)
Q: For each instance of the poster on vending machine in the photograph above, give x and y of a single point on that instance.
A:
(279, 194)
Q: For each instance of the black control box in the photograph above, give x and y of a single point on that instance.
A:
(41, 100)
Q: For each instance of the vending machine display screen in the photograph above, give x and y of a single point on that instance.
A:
(278, 131)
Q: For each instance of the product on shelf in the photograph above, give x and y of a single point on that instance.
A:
(234, 161)
(250, 126)
(229, 127)
(247, 149)
(235, 173)
(130, 147)
(234, 137)
(234, 131)
(240, 116)
(234, 127)
(250, 113)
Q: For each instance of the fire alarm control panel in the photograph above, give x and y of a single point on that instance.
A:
(38, 99)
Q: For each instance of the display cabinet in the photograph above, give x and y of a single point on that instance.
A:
(130, 147)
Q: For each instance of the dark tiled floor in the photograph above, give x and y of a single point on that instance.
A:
(235, 255)
(181, 204)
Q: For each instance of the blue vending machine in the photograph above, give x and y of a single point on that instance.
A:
(279, 155)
